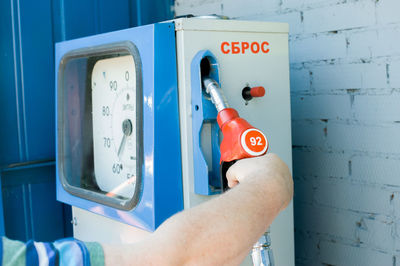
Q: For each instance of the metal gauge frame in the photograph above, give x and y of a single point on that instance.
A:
(93, 55)
(161, 192)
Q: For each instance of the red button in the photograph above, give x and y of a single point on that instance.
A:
(257, 91)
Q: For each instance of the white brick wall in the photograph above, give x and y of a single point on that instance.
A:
(345, 85)
(374, 42)
(387, 11)
(349, 76)
(320, 107)
(324, 47)
(339, 17)
(377, 108)
(356, 137)
(375, 170)
(338, 254)
(394, 70)
(300, 79)
(320, 164)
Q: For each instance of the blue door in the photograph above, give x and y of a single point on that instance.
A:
(28, 31)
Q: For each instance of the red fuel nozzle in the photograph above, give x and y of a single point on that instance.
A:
(241, 140)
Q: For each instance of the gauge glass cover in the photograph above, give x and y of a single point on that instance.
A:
(99, 124)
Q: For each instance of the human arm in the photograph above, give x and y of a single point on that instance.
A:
(222, 230)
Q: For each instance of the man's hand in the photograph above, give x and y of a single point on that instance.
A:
(222, 230)
(268, 169)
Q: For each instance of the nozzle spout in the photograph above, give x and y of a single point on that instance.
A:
(262, 252)
(217, 95)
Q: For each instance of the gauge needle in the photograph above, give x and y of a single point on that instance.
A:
(127, 131)
(122, 146)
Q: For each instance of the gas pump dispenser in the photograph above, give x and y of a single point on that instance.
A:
(144, 128)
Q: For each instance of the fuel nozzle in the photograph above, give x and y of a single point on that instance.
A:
(241, 140)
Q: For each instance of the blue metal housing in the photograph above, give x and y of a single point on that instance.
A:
(206, 177)
(161, 170)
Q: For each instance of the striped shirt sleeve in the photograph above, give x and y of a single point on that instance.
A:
(64, 252)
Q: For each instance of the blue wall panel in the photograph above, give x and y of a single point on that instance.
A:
(30, 209)
(9, 77)
(150, 11)
(28, 31)
(37, 78)
(75, 18)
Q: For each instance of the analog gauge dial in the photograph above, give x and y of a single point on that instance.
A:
(114, 125)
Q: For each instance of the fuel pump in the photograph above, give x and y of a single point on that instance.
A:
(241, 140)
(114, 93)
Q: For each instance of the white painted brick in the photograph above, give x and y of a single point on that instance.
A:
(344, 224)
(340, 254)
(321, 107)
(192, 3)
(327, 221)
(271, 6)
(388, 11)
(377, 234)
(396, 225)
(377, 108)
(355, 197)
(364, 138)
(308, 134)
(320, 47)
(340, 17)
(394, 73)
(361, 44)
(320, 164)
(293, 18)
(239, 8)
(397, 246)
(388, 41)
(382, 42)
(299, 80)
(349, 76)
(396, 207)
(306, 247)
(292, 4)
(249, 10)
(197, 7)
(305, 4)
(303, 191)
(376, 170)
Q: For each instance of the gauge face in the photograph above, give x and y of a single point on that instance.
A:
(114, 125)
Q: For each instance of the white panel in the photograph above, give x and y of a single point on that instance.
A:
(270, 113)
(230, 25)
(89, 226)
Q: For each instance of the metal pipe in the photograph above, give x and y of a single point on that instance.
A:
(217, 95)
(262, 252)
